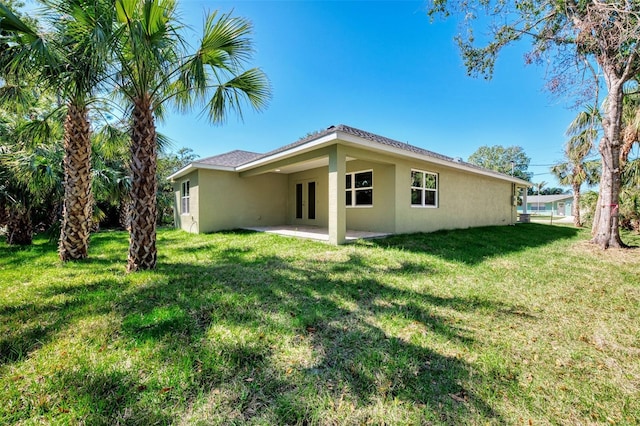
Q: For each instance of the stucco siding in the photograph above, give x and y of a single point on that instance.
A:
(229, 201)
(187, 221)
(222, 200)
(464, 200)
(380, 217)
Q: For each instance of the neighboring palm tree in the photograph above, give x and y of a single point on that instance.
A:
(588, 122)
(631, 122)
(31, 174)
(539, 187)
(155, 67)
(30, 160)
(577, 169)
(73, 61)
(630, 194)
(111, 180)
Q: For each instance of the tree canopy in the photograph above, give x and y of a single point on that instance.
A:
(511, 160)
(589, 42)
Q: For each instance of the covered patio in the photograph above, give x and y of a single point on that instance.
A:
(315, 232)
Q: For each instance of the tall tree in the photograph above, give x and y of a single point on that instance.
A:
(156, 67)
(601, 37)
(72, 59)
(510, 160)
(577, 170)
(30, 171)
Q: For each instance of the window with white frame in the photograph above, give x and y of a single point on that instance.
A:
(185, 197)
(359, 186)
(424, 189)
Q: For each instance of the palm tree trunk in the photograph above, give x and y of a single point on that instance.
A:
(124, 213)
(19, 226)
(142, 241)
(575, 208)
(77, 206)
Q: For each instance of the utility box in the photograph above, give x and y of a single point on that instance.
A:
(524, 218)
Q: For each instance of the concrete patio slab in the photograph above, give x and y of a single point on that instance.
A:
(315, 232)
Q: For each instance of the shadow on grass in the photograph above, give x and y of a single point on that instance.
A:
(19, 255)
(41, 321)
(232, 318)
(474, 245)
(352, 354)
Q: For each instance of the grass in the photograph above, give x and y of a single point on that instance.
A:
(509, 325)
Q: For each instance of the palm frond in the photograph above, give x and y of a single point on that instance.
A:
(226, 43)
(252, 86)
(563, 172)
(590, 118)
(164, 142)
(16, 98)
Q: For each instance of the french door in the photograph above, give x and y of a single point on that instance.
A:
(306, 200)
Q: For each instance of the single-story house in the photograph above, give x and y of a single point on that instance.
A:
(555, 205)
(338, 179)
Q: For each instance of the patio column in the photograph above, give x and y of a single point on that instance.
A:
(524, 200)
(337, 197)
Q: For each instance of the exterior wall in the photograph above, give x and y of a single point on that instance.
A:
(188, 222)
(223, 200)
(464, 200)
(320, 176)
(381, 216)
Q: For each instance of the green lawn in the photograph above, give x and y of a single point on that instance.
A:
(509, 325)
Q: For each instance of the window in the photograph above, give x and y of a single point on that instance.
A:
(359, 187)
(424, 189)
(185, 197)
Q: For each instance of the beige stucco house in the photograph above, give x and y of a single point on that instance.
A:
(342, 178)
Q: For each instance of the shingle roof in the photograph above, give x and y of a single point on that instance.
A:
(375, 138)
(238, 158)
(362, 134)
(548, 198)
(231, 159)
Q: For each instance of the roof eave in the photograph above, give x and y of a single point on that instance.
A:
(312, 144)
(196, 166)
(400, 152)
(326, 138)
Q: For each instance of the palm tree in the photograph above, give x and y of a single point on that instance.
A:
(30, 173)
(73, 60)
(630, 194)
(155, 68)
(588, 122)
(591, 120)
(111, 180)
(577, 170)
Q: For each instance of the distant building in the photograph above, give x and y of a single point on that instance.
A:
(556, 205)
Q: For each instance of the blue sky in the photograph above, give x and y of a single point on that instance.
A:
(384, 67)
(381, 66)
